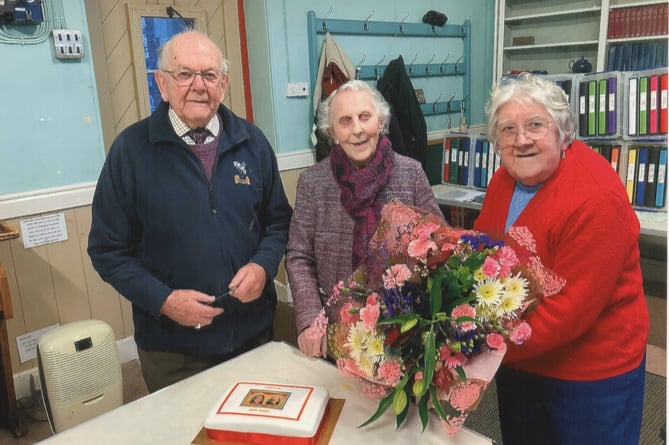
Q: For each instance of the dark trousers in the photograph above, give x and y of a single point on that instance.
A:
(540, 410)
(163, 368)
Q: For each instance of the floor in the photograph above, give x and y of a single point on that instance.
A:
(34, 419)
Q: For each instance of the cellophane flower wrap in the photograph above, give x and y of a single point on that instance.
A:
(427, 316)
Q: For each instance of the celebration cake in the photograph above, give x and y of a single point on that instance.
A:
(268, 414)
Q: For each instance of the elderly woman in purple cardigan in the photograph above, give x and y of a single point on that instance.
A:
(339, 201)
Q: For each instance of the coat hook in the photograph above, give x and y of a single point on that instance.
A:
(462, 104)
(427, 65)
(448, 111)
(358, 67)
(412, 62)
(376, 67)
(364, 57)
(325, 19)
(441, 65)
(366, 24)
(456, 63)
(402, 27)
(434, 104)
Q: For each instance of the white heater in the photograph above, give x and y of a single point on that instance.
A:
(80, 372)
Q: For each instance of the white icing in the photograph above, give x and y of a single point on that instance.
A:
(296, 412)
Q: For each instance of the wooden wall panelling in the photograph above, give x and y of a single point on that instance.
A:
(67, 275)
(105, 303)
(33, 299)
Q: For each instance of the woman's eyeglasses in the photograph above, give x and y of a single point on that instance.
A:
(534, 129)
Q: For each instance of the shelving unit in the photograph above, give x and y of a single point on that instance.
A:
(651, 210)
(426, 37)
(546, 23)
(562, 30)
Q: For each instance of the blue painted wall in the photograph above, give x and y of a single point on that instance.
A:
(51, 134)
(49, 113)
(278, 55)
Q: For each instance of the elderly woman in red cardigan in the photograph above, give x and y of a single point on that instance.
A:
(339, 201)
(580, 377)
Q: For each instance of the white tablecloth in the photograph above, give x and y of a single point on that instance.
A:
(175, 415)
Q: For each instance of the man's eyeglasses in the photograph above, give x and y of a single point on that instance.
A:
(185, 77)
(534, 129)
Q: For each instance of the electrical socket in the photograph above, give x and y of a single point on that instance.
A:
(68, 44)
(298, 89)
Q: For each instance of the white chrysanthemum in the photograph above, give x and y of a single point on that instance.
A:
(488, 292)
(510, 301)
(356, 340)
(517, 286)
(374, 348)
(485, 313)
(366, 365)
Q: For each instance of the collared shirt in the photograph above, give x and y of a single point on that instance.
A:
(182, 129)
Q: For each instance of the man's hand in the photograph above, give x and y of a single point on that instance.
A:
(248, 282)
(188, 308)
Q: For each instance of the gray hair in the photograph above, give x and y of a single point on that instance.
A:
(165, 51)
(529, 88)
(381, 107)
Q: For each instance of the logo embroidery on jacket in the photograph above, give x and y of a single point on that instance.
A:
(241, 177)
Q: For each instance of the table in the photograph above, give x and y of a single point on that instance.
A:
(175, 415)
(653, 222)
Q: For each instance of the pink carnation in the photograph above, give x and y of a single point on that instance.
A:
(419, 248)
(369, 315)
(390, 372)
(396, 275)
(464, 310)
(520, 333)
(504, 271)
(495, 341)
(490, 267)
(424, 231)
(507, 256)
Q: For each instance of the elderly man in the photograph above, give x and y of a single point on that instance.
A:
(189, 206)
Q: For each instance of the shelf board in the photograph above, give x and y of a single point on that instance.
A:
(638, 3)
(637, 39)
(545, 15)
(564, 45)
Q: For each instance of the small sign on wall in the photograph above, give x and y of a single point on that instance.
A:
(43, 230)
(27, 343)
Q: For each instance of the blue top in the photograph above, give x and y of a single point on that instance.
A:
(521, 196)
(159, 224)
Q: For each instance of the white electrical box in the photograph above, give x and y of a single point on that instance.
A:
(298, 89)
(68, 44)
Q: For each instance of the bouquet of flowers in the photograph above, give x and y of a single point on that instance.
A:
(427, 316)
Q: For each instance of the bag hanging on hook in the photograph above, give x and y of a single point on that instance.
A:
(435, 18)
